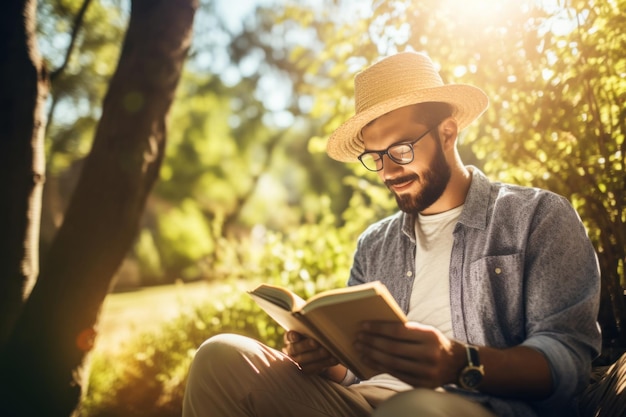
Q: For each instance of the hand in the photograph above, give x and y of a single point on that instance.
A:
(414, 353)
(310, 355)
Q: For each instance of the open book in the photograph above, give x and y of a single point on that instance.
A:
(332, 317)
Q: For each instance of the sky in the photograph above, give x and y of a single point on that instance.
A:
(234, 15)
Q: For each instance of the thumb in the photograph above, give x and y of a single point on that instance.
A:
(293, 336)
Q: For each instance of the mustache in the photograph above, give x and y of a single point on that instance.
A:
(400, 180)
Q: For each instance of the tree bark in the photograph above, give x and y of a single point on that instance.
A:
(23, 91)
(41, 367)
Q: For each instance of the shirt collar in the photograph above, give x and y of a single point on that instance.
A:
(477, 201)
(475, 210)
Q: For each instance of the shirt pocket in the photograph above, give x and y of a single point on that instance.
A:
(494, 299)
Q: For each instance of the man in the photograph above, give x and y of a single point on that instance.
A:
(500, 283)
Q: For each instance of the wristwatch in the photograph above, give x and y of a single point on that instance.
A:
(472, 375)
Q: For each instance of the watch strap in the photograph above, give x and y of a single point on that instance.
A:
(472, 355)
(472, 375)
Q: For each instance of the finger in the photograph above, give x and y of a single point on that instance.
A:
(288, 338)
(315, 361)
(318, 366)
(302, 346)
(370, 343)
(390, 358)
(401, 331)
(292, 336)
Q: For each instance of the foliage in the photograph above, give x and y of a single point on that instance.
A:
(553, 71)
(566, 127)
(147, 378)
(237, 143)
(77, 91)
(100, 222)
(555, 75)
(185, 238)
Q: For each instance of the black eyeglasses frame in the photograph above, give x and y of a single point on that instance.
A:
(386, 152)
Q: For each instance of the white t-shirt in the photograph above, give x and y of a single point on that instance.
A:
(430, 296)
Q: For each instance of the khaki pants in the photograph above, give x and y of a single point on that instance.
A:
(235, 376)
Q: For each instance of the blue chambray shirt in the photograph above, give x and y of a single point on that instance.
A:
(522, 271)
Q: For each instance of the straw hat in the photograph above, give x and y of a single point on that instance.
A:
(397, 81)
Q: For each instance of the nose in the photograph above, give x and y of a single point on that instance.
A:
(390, 168)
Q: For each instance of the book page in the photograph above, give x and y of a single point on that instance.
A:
(348, 294)
(283, 317)
(280, 296)
(339, 324)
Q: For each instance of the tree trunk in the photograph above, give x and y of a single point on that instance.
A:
(42, 364)
(23, 91)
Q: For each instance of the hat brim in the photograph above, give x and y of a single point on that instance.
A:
(468, 104)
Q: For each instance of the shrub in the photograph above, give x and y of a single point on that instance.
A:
(184, 239)
(148, 377)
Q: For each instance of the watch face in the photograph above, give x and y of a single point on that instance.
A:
(471, 377)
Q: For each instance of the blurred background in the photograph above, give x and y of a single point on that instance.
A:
(246, 193)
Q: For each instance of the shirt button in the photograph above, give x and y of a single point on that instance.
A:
(409, 273)
(498, 271)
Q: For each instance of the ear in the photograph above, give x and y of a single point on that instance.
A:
(448, 132)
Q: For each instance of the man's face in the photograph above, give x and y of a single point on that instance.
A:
(419, 184)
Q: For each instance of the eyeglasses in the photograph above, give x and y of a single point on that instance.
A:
(400, 153)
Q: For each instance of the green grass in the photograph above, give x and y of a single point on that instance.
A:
(147, 339)
(128, 314)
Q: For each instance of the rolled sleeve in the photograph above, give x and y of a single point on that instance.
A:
(562, 304)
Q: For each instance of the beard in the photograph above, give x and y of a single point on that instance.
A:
(434, 181)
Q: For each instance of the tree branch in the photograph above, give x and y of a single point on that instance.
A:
(78, 23)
